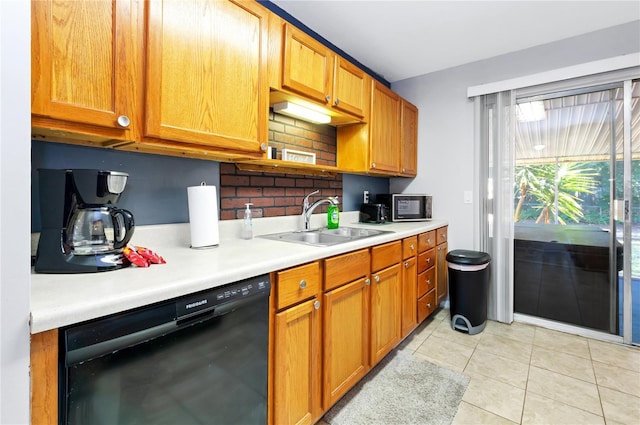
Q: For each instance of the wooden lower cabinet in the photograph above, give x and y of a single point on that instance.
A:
(386, 291)
(426, 305)
(442, 275)
(346, 339)
(296, 378)
(297, 346)
(409, 320)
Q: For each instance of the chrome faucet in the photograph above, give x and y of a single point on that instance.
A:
(308, 209)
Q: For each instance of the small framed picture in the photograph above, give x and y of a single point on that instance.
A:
(298, 156)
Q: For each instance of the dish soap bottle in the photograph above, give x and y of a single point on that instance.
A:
(247, 224)
(333, 215)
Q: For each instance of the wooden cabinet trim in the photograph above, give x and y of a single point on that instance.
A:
(44, 378)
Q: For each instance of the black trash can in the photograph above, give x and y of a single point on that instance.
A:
(469, 274)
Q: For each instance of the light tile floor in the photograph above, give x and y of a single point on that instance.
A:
(529, 375)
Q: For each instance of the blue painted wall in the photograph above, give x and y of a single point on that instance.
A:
(156, 191)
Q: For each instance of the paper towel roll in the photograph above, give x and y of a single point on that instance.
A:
(203, 216)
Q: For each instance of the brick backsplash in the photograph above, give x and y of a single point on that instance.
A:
(281, 194)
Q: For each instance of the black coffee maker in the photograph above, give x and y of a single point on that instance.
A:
(82, 232)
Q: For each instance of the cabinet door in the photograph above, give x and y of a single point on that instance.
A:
(350, 88)
(409, 140)
(346, 339)
(385, 311)
(296, 377)
(206, 73)
(409, 296)
(307, 66)
(83, 66)
(385, 130)
(442, 281)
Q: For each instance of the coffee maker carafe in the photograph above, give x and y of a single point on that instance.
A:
(82, 232)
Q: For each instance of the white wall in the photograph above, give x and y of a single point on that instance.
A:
(445, 126)
(15, 228)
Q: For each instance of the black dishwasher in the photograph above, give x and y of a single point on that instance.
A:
(198, 359)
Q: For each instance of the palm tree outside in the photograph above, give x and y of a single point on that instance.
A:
(550, 192)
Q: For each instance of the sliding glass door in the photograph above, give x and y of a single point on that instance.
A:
(576, 207)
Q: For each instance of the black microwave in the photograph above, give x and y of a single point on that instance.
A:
(407, 207)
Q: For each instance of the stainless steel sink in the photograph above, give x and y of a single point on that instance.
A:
(324, 237)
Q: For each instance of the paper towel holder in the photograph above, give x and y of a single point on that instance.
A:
(203, 216)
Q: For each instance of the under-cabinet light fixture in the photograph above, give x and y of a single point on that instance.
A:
(304, 113)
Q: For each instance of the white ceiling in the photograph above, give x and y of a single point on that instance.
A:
(402, 39)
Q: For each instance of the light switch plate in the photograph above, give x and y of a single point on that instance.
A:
(468, 197)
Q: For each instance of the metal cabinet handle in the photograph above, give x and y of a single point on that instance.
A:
(328, 98)
(377, 278)
(316, 305)
(303, 284)
(337, 101)
(373, 165)
(428, 305)
(428, 281)
(406, 265)
(411, 247)
(404, 170)
(124, 121)
(263, 147)
(429, 241)
(428, 260)
(367, 282)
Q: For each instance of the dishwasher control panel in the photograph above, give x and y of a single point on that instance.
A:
(206, 300)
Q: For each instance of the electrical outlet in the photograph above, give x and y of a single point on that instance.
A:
(365, 196)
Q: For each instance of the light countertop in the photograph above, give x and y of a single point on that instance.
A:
(63, 299)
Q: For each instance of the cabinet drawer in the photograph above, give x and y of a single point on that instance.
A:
(346, 268)
(426, 281)
(441, 235)
(426, 240)
(383, 256)
(426, 260)
(426, 305)
(409, 247)
(297, 284)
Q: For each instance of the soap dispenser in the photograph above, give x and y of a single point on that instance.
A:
(247, 224)
(333, 215)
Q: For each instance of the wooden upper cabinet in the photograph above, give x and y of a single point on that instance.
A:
(207, 73)
(409, 140)
(385, 130)
(350, 88)
(85, 56)
(307, 65)
(317, 74)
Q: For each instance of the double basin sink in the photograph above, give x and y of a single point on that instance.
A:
(323, 236)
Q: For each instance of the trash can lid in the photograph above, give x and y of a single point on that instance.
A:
(467, 257)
